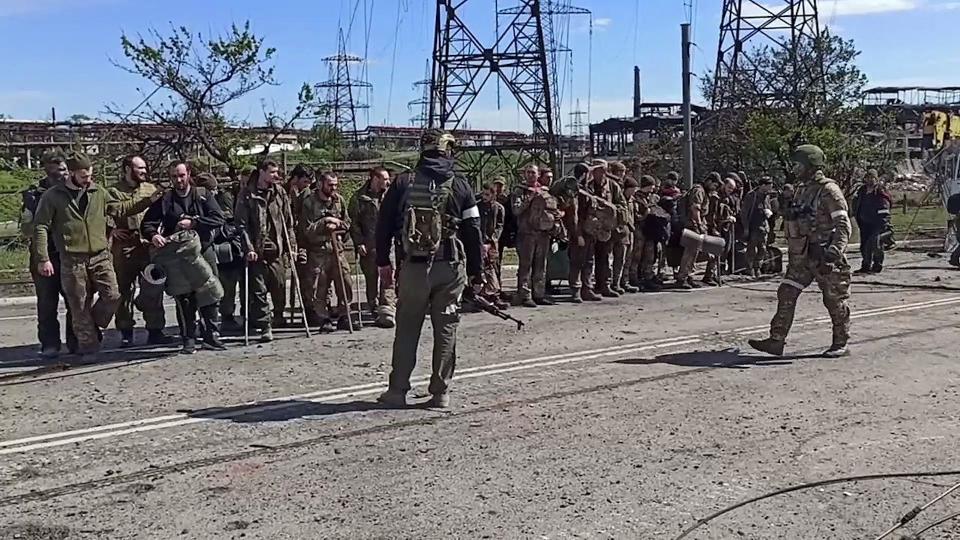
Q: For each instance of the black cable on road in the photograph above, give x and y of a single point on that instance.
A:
(918, 534)
(800, 487)
(912, 514)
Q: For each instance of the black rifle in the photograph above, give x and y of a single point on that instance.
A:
(486, 306)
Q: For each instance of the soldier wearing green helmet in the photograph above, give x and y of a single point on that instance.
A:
(817, 233)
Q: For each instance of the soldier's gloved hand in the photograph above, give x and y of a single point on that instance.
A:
(832, 254)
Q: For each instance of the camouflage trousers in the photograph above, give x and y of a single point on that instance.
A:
(622, 248)
(756, 250)
(643, 258)
(379, 298)
(687, 263)
(834, 282)
(325, 269)
(533, 248)
(491, 264)
(581, 264)
(82, 276)
(268, 285)
(128, 263)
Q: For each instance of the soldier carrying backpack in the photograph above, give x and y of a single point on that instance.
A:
(433, 211)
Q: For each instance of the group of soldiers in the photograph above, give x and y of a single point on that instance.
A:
(423, 242)
(109, 251)
(617, 232)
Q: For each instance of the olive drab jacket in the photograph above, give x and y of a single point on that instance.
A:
(817, 219)
(311, 229)
(363, 211)
(77, 229)
(124, 191)
(266, 218)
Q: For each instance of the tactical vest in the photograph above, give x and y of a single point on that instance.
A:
(426, 222)
(601, 220)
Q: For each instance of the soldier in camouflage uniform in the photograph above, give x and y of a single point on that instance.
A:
(754, 224)
(131, 254)
(621, 242)
(264, 215)
(606, 187)
(817, 230)
(492, 215)
(323, 221)
(644, 254)
(48, 288)
(533, 243)
(698, 218)
(364, 210)
(74, 214)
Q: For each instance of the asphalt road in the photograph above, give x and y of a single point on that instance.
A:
(631, 418)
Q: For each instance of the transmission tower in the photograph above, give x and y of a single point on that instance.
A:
(790, 25)
(462, 65)
(578, 126)
(554, 13)
(343, 92)
(420, 107)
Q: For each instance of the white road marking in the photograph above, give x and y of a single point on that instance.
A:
(175, 420)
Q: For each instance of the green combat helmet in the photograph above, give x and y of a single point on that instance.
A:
(439, 140)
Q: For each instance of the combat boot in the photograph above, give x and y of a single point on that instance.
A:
(650, 285)
(630, 289)
(575, 297)
(589, 296)
(836, 350)
(877, 268)
(863, 270)
(711, 280)
(439, 401)
(393, 398)
(607, 292)
(265, 335)
(617, 289)
(544, 301)
(157, 337)
(528, 302)
(126, 338)
(189, 346)
(50, 352)
(769, 346)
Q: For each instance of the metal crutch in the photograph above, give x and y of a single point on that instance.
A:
(343, 282)
(356, 289)
(296, 282)
(246, 301)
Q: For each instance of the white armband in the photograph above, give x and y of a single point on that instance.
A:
(471, 213)
(837, 213)
(767, 213)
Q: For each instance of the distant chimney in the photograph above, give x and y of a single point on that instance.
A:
(637, 97)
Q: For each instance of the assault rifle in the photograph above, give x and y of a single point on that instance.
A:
(484, 305)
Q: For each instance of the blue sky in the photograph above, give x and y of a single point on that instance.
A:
(57, 53)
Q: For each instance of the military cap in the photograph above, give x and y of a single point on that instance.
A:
(77, 161)
(437, 139)
(647, 181)
(810, 155)
(206, 180)
(630, 182)
(872, 173)
(617, 166)
(500, 180)
(581, 169)
(598, 163)
(674, 176)
(713, 177)
(300, 171)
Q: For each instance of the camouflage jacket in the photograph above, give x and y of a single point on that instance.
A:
(266, 218)
(817, 218)
(311, 229)
(696, 199)
(492, 215)
(363, 211)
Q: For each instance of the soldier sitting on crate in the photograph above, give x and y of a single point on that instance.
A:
(323, 222)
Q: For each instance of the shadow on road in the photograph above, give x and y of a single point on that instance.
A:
(282, 411)
(718, 359)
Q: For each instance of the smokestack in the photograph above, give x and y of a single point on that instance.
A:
(637, 98)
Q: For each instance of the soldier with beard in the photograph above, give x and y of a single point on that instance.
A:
(74, 213)
(131, 255)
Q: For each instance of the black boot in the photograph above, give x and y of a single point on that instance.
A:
(126, 338)
(157, 337)
(211, 328)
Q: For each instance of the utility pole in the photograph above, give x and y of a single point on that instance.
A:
(687, 122)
